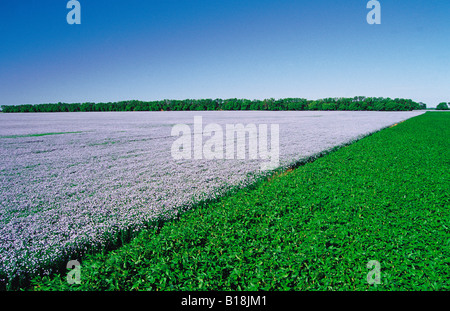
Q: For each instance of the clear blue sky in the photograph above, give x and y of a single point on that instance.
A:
(167, 49)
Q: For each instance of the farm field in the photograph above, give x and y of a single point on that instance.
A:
(383, 198)
(76, 182)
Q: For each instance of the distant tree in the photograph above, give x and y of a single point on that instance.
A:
(354, 106)
(379, 106)
(355, 103)
(329, 106)
(442, 106)
(87, 107)
(255, 105)
(297, 104)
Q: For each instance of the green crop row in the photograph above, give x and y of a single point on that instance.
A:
(383, 198)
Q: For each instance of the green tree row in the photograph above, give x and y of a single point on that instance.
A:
(443, 106)
(353, 104)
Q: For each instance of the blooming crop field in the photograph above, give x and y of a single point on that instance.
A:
(72, 182)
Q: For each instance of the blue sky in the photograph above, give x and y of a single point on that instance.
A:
(151, 50)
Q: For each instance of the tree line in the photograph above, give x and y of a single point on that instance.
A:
(353, 104)
(443, 106)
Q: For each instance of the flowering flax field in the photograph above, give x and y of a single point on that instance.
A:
(75, 182)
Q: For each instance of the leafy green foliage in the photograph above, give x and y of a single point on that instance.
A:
(316, 227)
(354, 104)
(442, 106)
